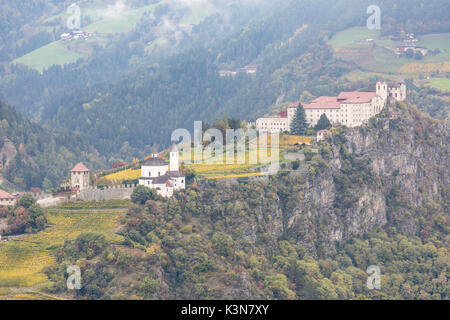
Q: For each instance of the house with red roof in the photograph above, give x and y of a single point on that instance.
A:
(6, 199)
(80, 177)
(36, 192)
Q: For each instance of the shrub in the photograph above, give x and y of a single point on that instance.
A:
(26, 201)
(148, 287)
(142, 194)
(222, 244)
(186, 229)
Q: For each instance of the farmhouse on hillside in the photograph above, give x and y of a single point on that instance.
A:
(351, 109)
(6, 199)
(156, 174)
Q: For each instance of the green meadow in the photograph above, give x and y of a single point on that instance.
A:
(440, 84)
(351, 36)
(122, 23)
(55, 53)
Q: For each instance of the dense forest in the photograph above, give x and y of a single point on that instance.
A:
(17, 20)
(306, 233)
(40, 157)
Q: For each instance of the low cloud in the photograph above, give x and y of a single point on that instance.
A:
(114, 10)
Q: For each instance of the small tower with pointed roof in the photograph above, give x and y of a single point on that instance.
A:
(79, 177)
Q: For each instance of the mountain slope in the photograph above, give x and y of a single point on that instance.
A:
(375, 195)
(33, 156)
(139, 108)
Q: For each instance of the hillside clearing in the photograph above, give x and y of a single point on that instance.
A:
(22, 261)
(441, 84)
(55, 53)
(351, 36)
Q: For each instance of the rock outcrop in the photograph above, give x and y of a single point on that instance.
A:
(376, 176)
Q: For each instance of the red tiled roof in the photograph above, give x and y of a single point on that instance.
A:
(5, 195)
(356, 97)
(344, 97)
(80, 167)
(119, 164)
(323, 103)
(282, 114)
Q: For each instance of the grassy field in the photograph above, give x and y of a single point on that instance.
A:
(439, 41)
(59, 53)
(380, 59)
(22, 260)
(441, 84)
(122, 23)
(55, 53)
(351, 36)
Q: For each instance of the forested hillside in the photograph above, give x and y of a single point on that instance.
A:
(33, 156)
(17, 19)
(151, 95)
(166, 27)
(375, 195)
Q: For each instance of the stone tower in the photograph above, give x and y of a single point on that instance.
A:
(397, 90)
(79, 177)
(382, 90)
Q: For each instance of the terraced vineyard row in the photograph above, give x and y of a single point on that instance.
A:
(22, 261)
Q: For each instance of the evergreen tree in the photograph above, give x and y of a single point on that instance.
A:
(299, 124)
(323, 123)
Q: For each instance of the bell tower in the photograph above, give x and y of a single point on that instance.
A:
(174, 162)
(382, 89)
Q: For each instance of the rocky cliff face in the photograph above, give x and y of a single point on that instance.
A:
(352, 204)
(7, 152)
(376, 176)
(407, 156)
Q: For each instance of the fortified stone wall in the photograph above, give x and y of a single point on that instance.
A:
(109, 193)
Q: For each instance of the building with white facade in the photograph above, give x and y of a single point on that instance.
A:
(348, 108)
(279, 123)
(156, 174)
(79, 177)
(6, 199)
(394, 90)
(351, 109)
